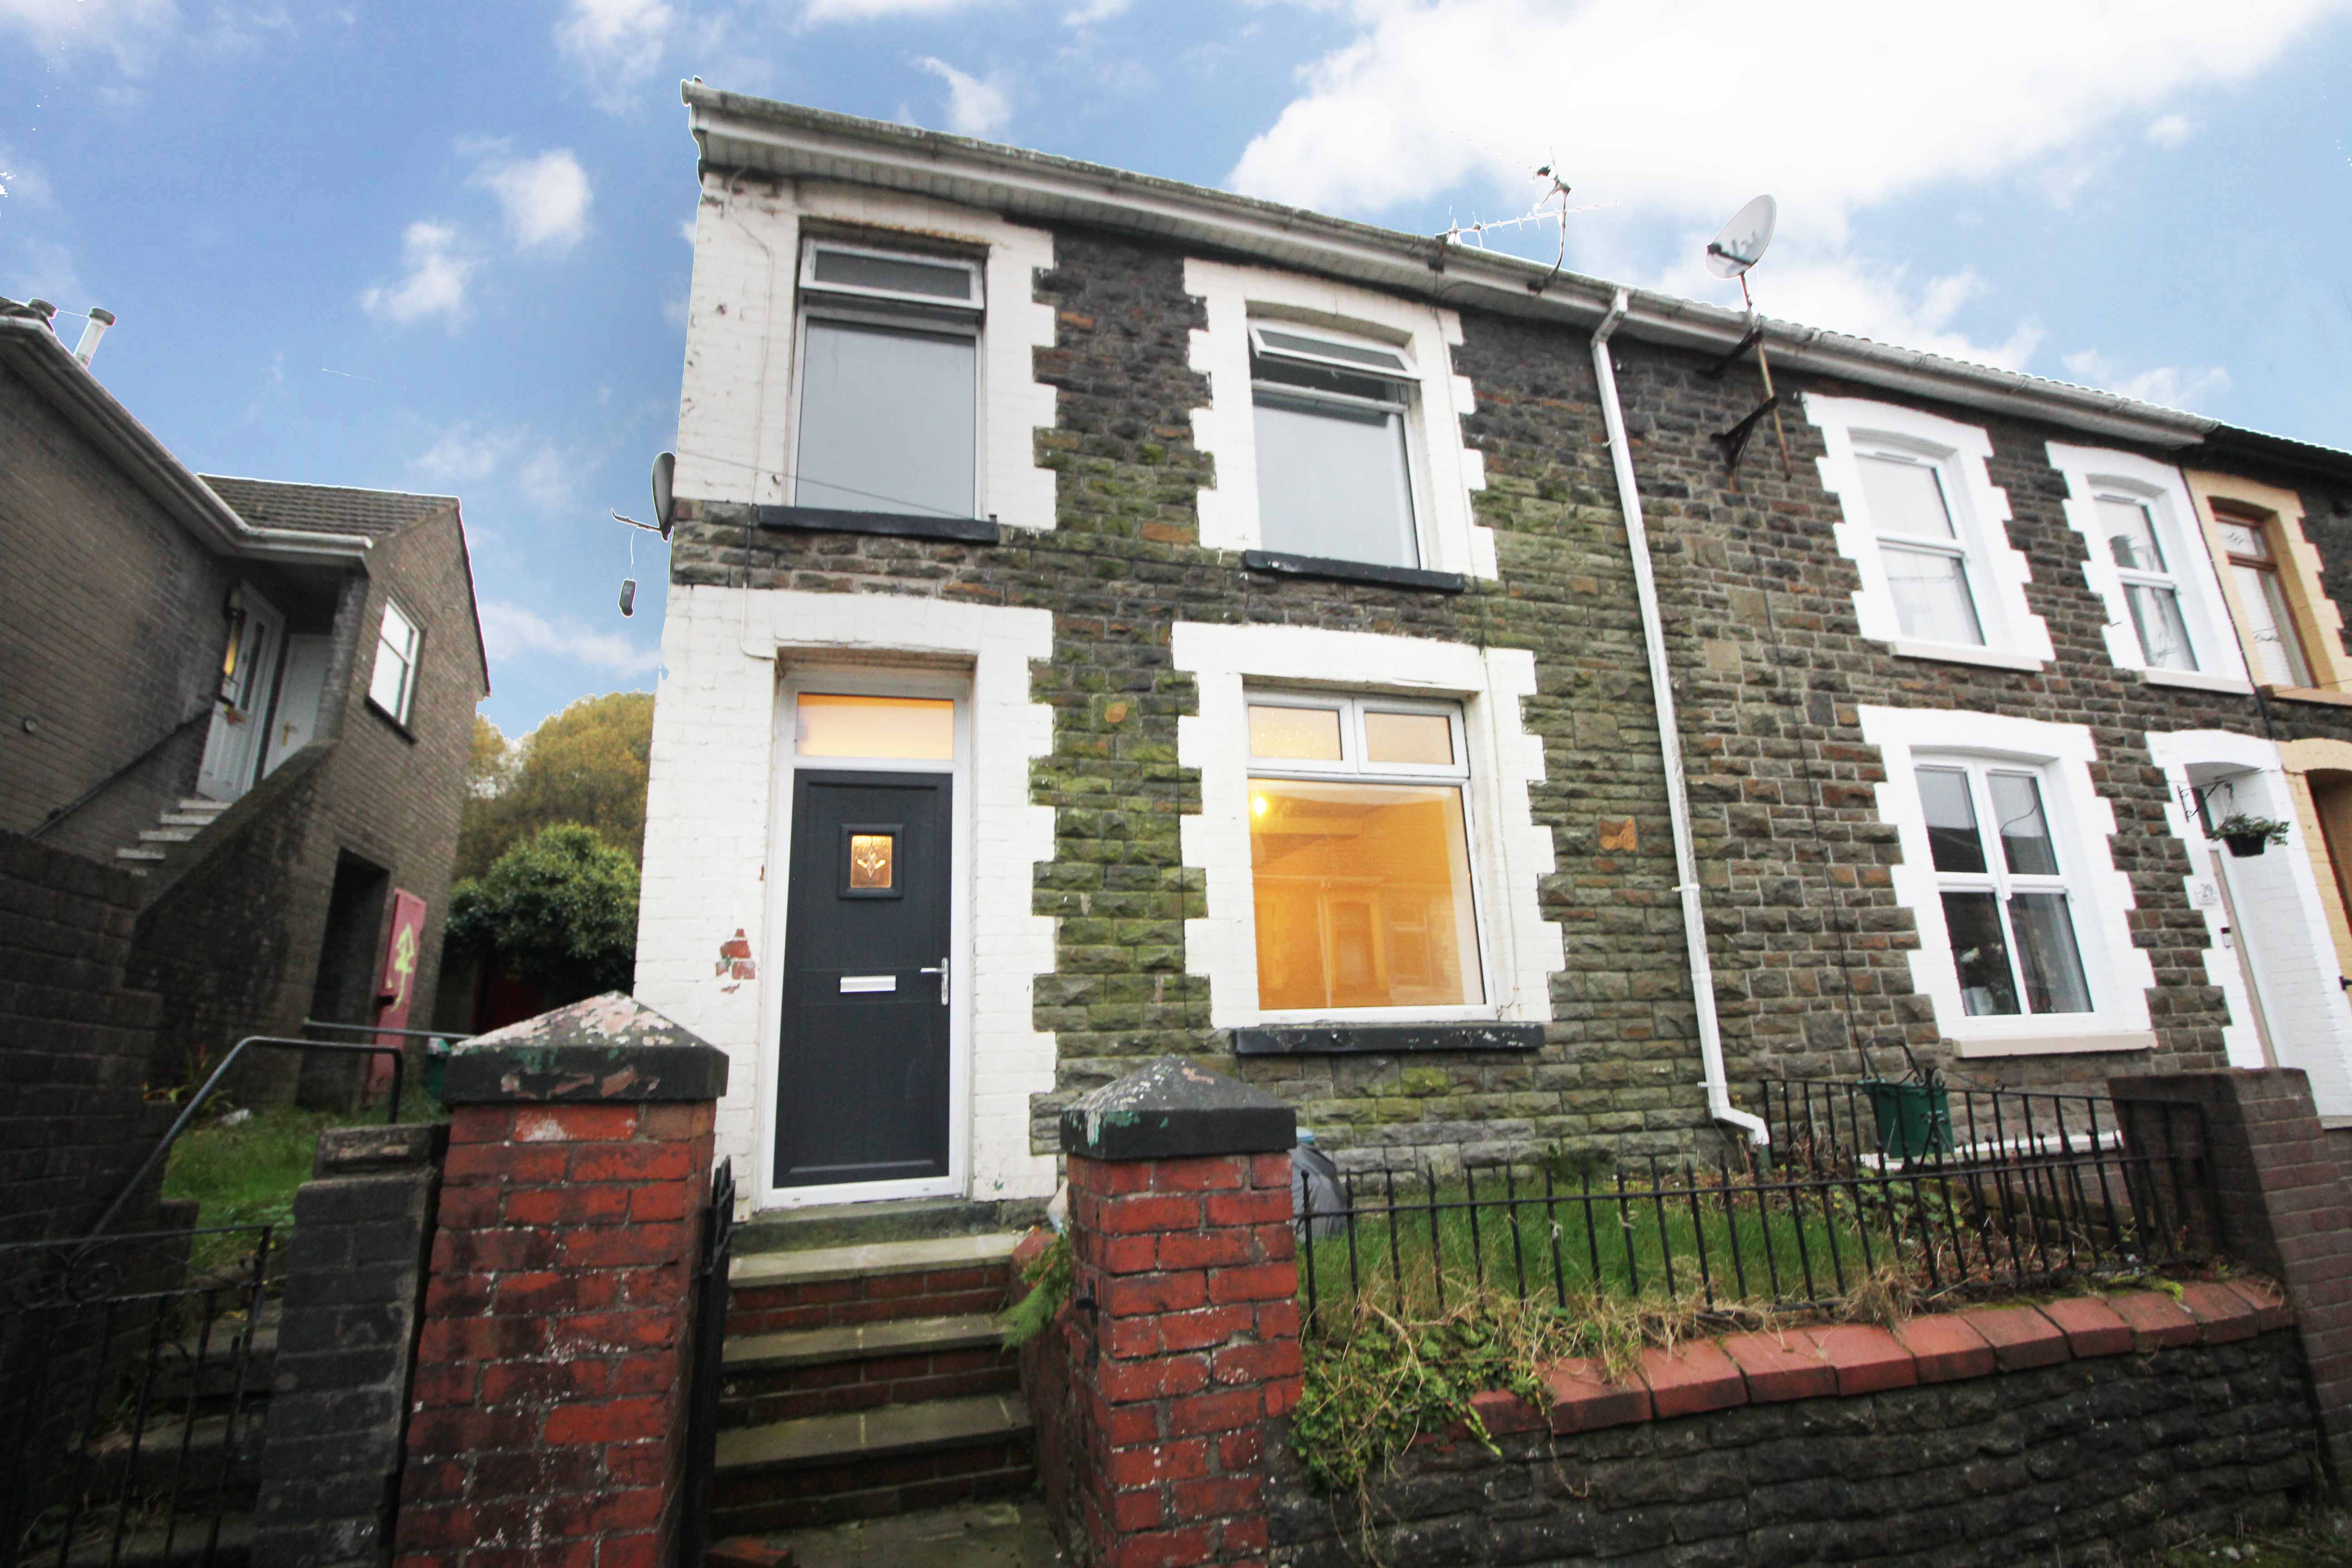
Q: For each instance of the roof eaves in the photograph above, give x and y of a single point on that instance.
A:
(737, 131)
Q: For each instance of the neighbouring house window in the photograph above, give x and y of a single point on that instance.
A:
(1923, 524)
(889, 412)
(2128, 523)
(1333, 477)
(393, 685)
(2279, 657)
(2007, 905)
(1360, 854)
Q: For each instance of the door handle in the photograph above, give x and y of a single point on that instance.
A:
(940, 969)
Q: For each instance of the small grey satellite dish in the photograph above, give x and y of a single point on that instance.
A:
(1741, 244)
(664, 471)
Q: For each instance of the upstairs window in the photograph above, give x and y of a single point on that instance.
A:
(1334, 478)
(2278, 646)
(889, 402)
(1360, 855)
(1926, 560)
(392, 685)
(2128, 525)
(2007, 904)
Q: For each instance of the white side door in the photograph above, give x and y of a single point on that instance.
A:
(249, 679)
(300, 688)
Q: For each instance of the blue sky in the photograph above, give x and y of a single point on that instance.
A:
(440, 247)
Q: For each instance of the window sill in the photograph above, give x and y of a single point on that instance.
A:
(2309, 694)
(2058, 1045)
(1366, 1039)
(1965, 653)
(897, 524)
(398, 728)
(2198, 681)
(1276, 565)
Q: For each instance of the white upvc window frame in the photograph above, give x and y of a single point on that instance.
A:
(409, 657)
(2118, 973)
(2092, 473)
(1354, 766)
(890, 311)
(1998, 879)
(1400, 375)
(1443, 472)
(1995, 570)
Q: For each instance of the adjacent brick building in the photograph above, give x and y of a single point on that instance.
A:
(256, 697)
(1109, 616)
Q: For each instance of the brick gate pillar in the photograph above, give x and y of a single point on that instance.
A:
(2283, 1209)
(548, 1413)
(1182, 1344)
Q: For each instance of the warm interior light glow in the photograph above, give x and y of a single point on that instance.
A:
(832, 725)
(1362, 894)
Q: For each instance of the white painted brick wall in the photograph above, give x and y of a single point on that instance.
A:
(711, 809)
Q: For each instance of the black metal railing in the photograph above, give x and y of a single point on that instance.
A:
(2021, 1196)
(130, 1397)
(212, 1083)
(708, 1366)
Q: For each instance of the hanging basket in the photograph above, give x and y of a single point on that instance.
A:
(2244, 844)
(1915, 1119)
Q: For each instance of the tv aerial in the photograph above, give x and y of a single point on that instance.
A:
(1738, 245)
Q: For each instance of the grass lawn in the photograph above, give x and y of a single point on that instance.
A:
(246, 1175)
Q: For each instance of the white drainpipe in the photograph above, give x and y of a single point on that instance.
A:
(1662, 697)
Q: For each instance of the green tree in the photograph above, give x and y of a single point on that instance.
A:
(560, 911)
(585, 764)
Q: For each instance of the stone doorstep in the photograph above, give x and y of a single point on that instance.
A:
(146, 1548)
(891, 1431)
(1850, 1359)
(824, 1264)
(872, 1223)
(862, 1341)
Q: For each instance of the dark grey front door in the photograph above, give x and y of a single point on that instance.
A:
(863, 1093)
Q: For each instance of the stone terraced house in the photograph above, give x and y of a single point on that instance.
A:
(1108, 616)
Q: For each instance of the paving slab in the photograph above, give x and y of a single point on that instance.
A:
(977, 1535)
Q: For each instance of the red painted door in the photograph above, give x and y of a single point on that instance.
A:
(403, 950)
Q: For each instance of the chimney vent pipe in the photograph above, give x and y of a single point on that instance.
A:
(87, 350)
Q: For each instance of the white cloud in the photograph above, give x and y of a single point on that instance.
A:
(514, 631)
(546, 198)
(1836, 106)
(2169, 131)
(616, 44)
(438, 272)
(975, 108)
(514, 458)
(2174, 386)
(133, 31)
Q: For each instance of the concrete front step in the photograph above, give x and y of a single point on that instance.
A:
(819, 1469)
(192, 803)
(195, 1459)
(830, 1372)
(837, 1287)
(167, 835)
(863, 1225)
(141, 856)
(187, 1543)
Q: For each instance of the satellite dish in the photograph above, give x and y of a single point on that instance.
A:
(665, 469)
(1741, 244)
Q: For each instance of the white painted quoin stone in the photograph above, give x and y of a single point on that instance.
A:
(717, 832)
(1510, 852)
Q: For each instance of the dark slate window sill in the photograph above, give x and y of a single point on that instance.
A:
(1275, 564)
(1383, 1039)
(898, 524)
(397, 726)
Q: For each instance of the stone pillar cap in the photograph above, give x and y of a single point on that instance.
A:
(610, 1049)
(1174, 1107)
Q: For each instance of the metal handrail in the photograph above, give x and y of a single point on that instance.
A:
(58, 814)
(204, 1093)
